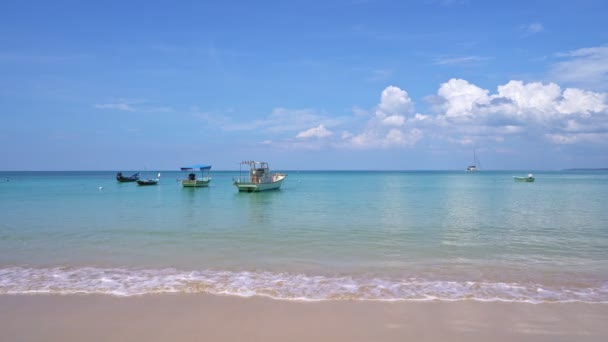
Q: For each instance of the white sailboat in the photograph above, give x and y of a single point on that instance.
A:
(476, 165)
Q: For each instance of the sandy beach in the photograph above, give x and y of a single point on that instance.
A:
(198, 317)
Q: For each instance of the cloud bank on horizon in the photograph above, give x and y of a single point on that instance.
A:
(467, 114)
(463, 113)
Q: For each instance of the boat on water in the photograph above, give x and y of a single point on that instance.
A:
(475, 166)
(259, 179)
(196, 182)
(149, 181)
(529, 178)
(132, 178)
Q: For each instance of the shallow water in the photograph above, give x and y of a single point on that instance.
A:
(325, 235)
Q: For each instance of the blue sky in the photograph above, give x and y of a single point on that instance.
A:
(303, 84)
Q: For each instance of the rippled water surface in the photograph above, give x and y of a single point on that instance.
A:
(323, 236)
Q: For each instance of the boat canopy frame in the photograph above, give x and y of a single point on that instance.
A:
(201, 167)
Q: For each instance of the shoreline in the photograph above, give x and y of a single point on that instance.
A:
(197, 317)
(293, 286)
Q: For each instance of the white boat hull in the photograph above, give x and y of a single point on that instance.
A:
(276, 183)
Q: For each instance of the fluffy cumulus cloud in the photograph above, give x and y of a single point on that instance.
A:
(563, 116)
(389, 126)
(394, 102)
(460, 98)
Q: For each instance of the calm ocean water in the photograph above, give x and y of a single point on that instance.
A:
(324, 236)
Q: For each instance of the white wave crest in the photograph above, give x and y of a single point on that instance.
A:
(284, 286)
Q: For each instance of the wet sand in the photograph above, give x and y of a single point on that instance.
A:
(198, 317)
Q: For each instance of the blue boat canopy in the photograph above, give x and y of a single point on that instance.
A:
(196, 167)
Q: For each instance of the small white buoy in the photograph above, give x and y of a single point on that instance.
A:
(101, 188)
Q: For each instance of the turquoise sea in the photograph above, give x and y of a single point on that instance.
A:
(325, 235)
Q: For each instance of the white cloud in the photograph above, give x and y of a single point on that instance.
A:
(386, 139)
(461, 97)
(532, 100)
(389, 127)
(384, 126)
(581, 101)
(394, 120)
(518, 99)
(397, 137)
(587, 67)
(462, 113)
(564, 138)
(315, 132)
(394, 101)
(520, 107)
(421, 117)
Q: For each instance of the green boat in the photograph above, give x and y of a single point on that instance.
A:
(529, 178)
(197, 182)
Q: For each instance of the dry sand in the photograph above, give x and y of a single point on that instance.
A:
(198, 317)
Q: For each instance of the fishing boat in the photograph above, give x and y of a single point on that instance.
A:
(529, 178)
(132, 178)
(149, 181)
(259, 179)
(474, 166)
(196, 182)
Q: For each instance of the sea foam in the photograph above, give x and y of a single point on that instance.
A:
(282, 286)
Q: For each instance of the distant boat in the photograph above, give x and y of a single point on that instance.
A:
(474, 166)
(260, 178)
(133, 178)
(529, 178)
(149, 181)
(192, 181)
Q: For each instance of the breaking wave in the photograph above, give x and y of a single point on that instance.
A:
(283, 286)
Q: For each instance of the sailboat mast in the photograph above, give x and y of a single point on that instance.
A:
(474, 158)
(476, 161)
